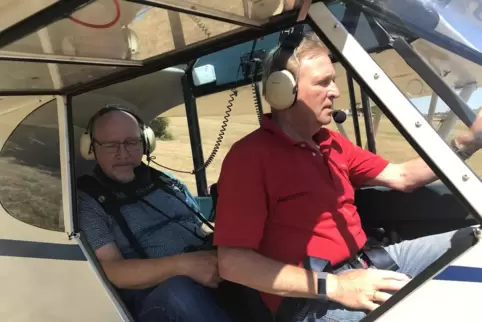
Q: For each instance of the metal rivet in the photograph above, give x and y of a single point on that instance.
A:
(465, 177)
(376, 76)
(335, 25)
(418, 124)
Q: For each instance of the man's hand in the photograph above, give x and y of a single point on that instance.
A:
(472, 141)
(363, 288)
(476, 128)
(201, 266)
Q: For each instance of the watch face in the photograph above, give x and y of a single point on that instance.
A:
(322, 285)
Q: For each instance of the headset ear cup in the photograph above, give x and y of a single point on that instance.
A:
(281, 90)
(149, 140)
(85, 147)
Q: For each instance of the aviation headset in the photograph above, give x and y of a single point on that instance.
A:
(281, 88)
(86, 140)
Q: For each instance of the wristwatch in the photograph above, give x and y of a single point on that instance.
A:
(322, 286)
(461, 154)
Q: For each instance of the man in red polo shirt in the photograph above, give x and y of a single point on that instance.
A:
(286, 197)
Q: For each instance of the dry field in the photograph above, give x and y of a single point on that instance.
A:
(177, 153)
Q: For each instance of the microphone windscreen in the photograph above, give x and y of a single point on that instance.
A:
(339, 116)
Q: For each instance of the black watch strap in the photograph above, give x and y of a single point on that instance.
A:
(322, 286)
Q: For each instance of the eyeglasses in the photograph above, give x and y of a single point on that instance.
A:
(132, 145)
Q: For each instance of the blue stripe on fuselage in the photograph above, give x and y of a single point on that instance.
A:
(461, 274)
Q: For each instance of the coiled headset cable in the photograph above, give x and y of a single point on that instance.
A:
(217, 145)
(227, 115)
(201, 25)
(257, 105)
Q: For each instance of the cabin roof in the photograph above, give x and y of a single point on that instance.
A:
(92, 44)
(52, 47)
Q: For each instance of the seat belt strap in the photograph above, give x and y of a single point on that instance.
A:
(165, 183)
(111, 206)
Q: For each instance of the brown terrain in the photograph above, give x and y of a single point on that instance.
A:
(156, 38)
(177, 153)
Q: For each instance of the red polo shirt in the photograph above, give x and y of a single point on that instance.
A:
(287, 200)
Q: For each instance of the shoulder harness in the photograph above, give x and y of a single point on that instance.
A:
(111, 203)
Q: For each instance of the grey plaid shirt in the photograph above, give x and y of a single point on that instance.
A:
(158, 236)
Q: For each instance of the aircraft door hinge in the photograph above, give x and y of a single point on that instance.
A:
(478, 233)
(73, 235)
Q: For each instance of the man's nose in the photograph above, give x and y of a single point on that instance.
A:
(122, 152)
(334, 91)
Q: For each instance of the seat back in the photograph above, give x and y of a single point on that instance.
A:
(213, 191)
(242, 303)
(206, 206)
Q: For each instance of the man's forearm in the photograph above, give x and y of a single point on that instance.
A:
(141, 273)
(417, 173)
(249, 268)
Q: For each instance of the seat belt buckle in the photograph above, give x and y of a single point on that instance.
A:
(316, 264)
(357, 261)
(380, 258)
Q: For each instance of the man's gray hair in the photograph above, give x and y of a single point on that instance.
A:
(278, 59)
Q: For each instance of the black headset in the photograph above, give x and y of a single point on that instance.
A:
(86, 140)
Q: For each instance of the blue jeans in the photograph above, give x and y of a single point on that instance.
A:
(412, 257)
(180, 299)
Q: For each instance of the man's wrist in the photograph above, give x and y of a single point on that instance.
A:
(326, 286)
(331, 286)
(181, 264)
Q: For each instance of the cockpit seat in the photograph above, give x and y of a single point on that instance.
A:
(243, 303)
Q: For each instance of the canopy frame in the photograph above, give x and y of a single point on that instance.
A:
(133, 69)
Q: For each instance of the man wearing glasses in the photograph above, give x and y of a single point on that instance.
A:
(156, 278)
